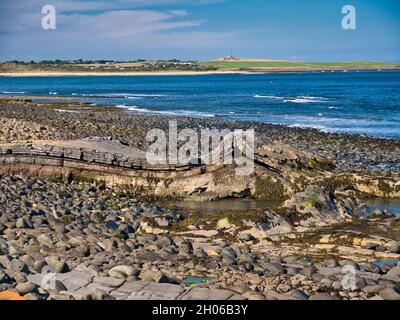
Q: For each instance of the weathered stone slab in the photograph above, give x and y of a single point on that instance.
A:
(72, 280)
(93, 286)
(49, 162)
(355, 251)
(75, 280)
(369, 275)
(80, 284)
(163, 291)
(35, 278)
(133, 286)
(108, 281)
(208, 294)
(329, 271)
(393, 274)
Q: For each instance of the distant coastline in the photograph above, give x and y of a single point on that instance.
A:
(186, 73)
(227, 65)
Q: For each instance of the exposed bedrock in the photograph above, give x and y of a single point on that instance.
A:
(280, 171)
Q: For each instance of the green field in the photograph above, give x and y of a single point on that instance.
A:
(300, 65)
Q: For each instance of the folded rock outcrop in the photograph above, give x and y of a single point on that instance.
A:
(280, 171)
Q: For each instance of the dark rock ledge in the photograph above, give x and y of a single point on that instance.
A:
(280, 171)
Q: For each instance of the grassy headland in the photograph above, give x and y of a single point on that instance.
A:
(278, 65)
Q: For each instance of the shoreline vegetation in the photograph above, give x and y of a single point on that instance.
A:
(229, 65)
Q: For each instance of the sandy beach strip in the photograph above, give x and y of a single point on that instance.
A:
(120, 74)
(186, 73)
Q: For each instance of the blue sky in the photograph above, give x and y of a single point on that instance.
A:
(307, 30)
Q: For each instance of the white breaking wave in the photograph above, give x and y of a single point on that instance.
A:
(122, 106)
(53, 93)
(172, 113)
(133, 108)
(140, 95)
(306, 99)
(269, 97)
(297, 99)
(13, 92)
(135, 98)
(120, 95)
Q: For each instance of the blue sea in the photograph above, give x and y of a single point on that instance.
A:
(364, 102)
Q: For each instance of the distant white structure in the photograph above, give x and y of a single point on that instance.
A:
(229, 58)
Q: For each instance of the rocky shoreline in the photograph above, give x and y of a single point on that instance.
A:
(90, 210)
(27, 118)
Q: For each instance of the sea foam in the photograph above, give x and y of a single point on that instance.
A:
(13, 92)
(296, 99)
(186, 113)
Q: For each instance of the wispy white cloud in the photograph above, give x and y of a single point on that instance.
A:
(21, 6)
(100, 28)
(122, 24)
